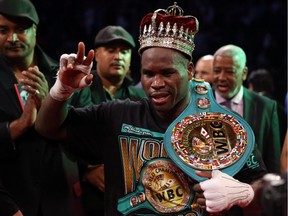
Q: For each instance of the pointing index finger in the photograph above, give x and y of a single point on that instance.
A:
(81, 55)
(80, 52)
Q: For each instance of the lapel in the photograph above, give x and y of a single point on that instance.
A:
(250, 108)
(97, 90)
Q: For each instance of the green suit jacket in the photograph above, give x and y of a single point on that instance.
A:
(262, 115)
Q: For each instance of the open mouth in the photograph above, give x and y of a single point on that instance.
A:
(223, 88)
(160, 98)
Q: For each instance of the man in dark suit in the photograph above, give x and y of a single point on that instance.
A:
(31, 166)
(230, 71)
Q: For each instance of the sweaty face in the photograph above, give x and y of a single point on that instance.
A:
(113, 61)
(17, 38)
(165, 79)
(228, 76)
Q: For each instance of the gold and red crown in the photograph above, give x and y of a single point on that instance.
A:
(168, 28)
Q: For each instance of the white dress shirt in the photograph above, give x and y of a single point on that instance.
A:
(236, 101)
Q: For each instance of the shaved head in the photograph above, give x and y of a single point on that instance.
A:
(234, 51)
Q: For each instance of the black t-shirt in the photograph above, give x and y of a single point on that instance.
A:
(7, 205)
(124, 135)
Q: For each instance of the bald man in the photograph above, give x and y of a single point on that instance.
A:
(230, 71)
(204, 68)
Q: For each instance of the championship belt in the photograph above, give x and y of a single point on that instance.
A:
(206, 136)
(164, 189)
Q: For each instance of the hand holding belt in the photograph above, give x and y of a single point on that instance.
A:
(223, 191)
(206, 136)
(163, 188)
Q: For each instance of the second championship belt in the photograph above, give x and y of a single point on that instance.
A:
(206, 136)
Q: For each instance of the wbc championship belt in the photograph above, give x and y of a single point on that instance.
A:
(163, 189)
(206, 136)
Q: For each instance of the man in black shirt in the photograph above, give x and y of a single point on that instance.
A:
(128, 137)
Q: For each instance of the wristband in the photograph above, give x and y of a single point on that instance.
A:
(223, 191)
(61, 91)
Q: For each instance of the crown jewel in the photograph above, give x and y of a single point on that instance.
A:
(168, 28)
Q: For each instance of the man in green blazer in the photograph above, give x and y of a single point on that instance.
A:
(230, 71)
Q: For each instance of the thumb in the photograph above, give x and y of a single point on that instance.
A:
(204, 174)
(215, 173)
(88, 79)
(85, 81)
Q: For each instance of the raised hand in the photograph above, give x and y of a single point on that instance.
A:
(75, 67)
(74, 73)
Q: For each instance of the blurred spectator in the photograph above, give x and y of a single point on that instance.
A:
(204, 68)
(261, 81)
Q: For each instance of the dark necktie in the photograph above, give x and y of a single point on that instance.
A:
(226, 103)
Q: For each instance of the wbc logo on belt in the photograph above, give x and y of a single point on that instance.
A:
(166, 187)
(209, 140)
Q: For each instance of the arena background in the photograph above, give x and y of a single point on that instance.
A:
(258, 26)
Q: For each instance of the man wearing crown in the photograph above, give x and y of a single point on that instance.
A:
(134, 154)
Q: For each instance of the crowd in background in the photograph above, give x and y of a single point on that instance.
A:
(259, 27)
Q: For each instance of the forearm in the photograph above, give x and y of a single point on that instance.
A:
(50, 118)
(95, 176)
(74, 73)
(17, 128)
(255, 205)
